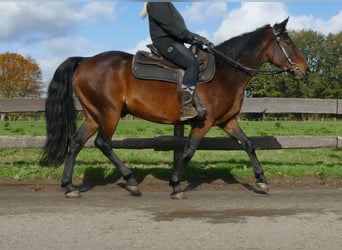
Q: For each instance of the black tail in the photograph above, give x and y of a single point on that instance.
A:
(60, 113)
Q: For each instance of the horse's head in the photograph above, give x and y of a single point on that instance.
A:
(284, 53)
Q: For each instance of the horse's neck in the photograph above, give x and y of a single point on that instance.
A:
(253, 58)
(238, 76)
(253, 63)
(248, 52)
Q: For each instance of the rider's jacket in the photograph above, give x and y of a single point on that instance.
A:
(166, 21)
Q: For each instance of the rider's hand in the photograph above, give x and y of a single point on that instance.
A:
(200, 39)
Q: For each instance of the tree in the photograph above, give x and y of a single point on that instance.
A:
(19, 77)
(331, 68)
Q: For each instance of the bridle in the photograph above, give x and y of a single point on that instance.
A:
(294, 66)
(251, 71)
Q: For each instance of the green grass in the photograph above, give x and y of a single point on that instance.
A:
(20, 164)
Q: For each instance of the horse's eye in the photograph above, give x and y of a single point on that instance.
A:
(288, 41)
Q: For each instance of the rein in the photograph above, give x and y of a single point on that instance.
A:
(248, 70)
(251, 71)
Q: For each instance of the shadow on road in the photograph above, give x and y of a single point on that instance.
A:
(195, 175)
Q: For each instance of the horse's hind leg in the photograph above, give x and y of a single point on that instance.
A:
(234, 130)
(88, 128)
(104, 143)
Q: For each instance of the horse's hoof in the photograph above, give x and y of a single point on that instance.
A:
(178, 196)
(134, 190)
(73, 194)
(263, 186)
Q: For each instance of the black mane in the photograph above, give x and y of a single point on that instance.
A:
(236, 45)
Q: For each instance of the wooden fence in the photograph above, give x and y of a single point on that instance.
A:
(250, 105)
(177, 141)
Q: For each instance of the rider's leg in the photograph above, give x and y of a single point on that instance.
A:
(180, 55)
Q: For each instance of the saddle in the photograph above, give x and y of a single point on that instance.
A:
(152, 66)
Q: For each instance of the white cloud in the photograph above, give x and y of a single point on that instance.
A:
(202, 12)
(23, 19)
(34, 20)
(63, 46)
(301, 22)
(333, 25)
(47, 27)
(95, 10)
(50, 53)
(248, 17)
(56, 50)
(140, 46)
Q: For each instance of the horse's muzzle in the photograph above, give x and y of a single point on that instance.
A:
(300, 74)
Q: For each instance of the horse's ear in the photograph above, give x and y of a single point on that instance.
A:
(279, 28)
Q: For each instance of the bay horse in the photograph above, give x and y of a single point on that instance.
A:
(107, 90)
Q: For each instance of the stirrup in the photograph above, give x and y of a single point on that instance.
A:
(187, 110)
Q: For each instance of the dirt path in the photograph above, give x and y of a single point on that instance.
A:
(227, 216)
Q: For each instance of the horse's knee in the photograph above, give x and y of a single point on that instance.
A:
(190, 150)
(98, 143)
(246, 145)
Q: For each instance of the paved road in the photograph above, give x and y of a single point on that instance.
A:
(108, 218)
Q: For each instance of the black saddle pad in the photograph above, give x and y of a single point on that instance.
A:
(145, 66)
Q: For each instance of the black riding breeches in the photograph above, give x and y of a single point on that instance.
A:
(177, 53)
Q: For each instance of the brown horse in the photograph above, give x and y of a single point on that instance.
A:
(108, 90)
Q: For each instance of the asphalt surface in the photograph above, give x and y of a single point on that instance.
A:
(40, 217)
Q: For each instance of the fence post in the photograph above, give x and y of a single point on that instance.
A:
(178, 130)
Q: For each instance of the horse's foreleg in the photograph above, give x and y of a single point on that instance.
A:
(189, 151)
(106, 148)
(234, 130)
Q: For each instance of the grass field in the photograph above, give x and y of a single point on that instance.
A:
(22, 164)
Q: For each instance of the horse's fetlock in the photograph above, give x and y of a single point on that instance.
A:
(173, 183)
(67, 184)
(130, 180)
(260, 177)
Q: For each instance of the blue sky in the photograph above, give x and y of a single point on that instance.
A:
(51, 31)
